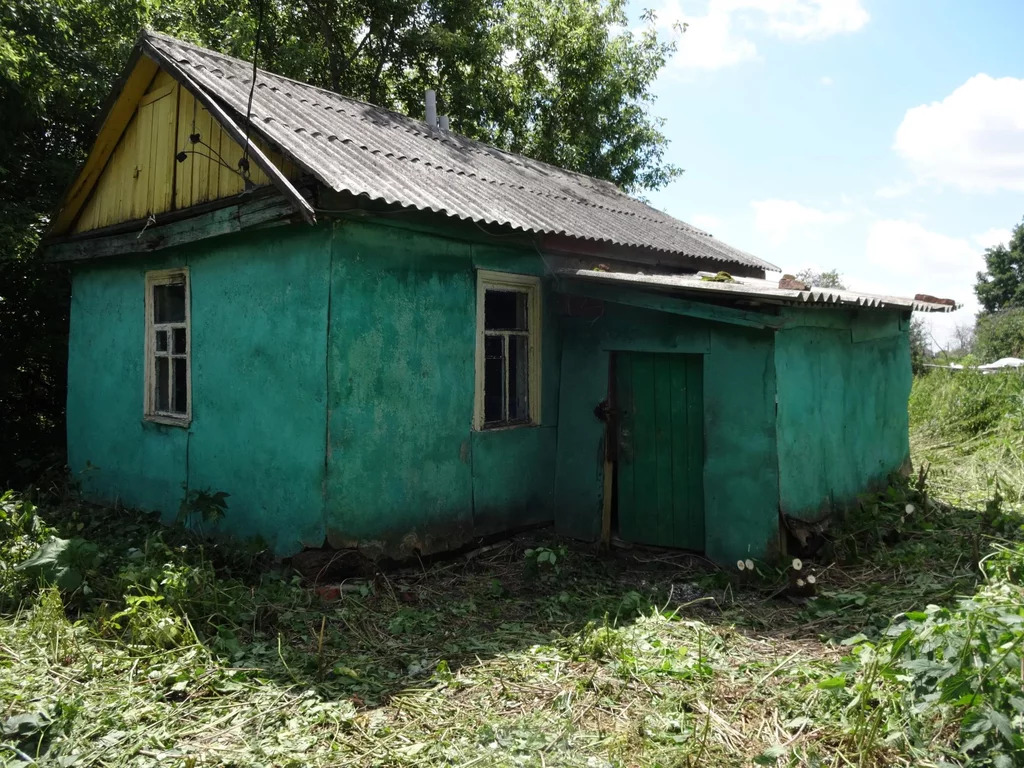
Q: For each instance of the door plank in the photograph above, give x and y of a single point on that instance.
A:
(694, 440)
(663, 439)
(624, 406)
(645, 467)
(680, 456)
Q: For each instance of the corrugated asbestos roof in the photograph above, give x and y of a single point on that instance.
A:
(355, 147)
(752, 288)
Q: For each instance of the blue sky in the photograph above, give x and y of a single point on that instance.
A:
(882, 138)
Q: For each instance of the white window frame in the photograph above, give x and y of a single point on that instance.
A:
(530, 285)
(154, 278)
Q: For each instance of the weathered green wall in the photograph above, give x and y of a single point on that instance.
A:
(740, 469)
(259, 309)
(259, 381)
(332, 385)
(842, 412)
(406, 469)
(112, 452)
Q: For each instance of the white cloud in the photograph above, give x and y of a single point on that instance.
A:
(709, 42)
(805, 19)
(896, 189)
(972, 139)
(706, 221)
(720, 37)
(909, 259)
(993, 237)
(778, 219)
(826, 80)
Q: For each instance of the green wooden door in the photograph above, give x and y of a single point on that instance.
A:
(660, 404)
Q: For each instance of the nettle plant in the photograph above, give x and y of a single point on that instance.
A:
(204, 506)
(957, 666)
(543, 562)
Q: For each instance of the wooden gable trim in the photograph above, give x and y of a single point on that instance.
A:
(189, 227)
(142, 67)
(140, 73)
(277, 178)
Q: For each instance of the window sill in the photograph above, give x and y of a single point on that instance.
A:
(507, 427)
(170, 421)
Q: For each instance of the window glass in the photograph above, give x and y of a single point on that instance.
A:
(519, 378)
(180, 385)
(169, 303)
(505, 310)
(494, 379)
(179, 341)
(162, 394)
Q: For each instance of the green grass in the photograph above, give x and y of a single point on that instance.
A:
(166, 650)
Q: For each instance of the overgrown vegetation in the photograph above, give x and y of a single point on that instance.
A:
(971, 427)
(903, 647)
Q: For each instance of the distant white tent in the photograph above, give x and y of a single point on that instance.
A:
(1003, 364)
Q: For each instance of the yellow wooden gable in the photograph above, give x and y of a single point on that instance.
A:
(135, 173)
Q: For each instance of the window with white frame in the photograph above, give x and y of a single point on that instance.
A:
(168, 347)
(508, 350)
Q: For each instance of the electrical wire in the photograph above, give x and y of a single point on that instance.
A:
(213, 160)
(220, 158)
(244, 162)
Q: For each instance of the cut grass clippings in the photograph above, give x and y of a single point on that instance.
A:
(166, 650)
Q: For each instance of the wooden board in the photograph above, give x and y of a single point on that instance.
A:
(142, 176)
(259, 211)
(659, 401)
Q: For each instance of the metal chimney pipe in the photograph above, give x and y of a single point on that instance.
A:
(444, 124)
(431, 109)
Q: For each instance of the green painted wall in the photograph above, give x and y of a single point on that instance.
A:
(332, 384)
(842, 413)
(112, 452)
(740, 469)
(259, 381)
(406, 469)
(259, 309)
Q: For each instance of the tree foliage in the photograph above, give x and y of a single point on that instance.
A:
(565, 81)
(827, 279)
(920, 350)
(999, 334)
(1001, 285)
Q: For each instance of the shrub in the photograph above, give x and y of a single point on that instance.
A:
(1000, 334)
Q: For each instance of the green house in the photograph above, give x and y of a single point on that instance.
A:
(372, 332)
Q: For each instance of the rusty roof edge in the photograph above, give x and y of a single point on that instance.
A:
(741, 288)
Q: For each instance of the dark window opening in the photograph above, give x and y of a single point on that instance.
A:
(506, 358)
(494, 379)
(169, 303)
(505, 310)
